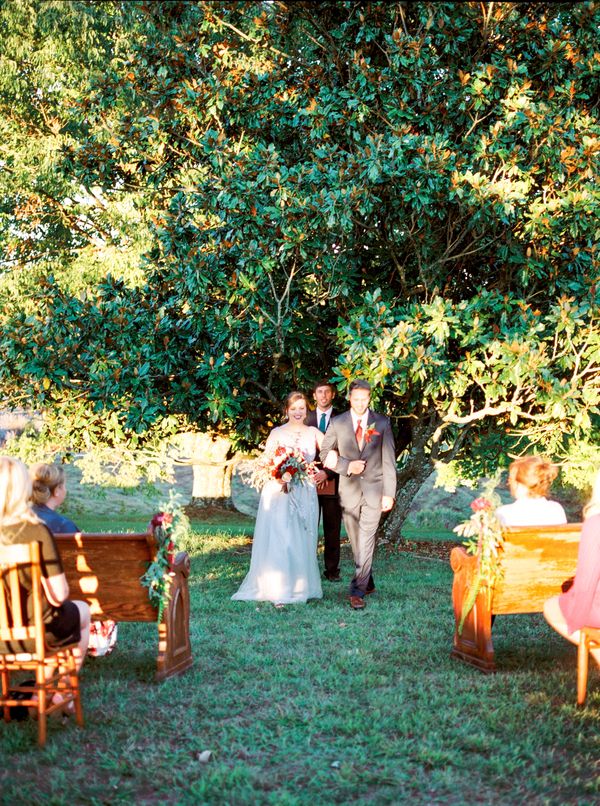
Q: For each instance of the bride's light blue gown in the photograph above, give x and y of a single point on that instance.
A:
(283, 567)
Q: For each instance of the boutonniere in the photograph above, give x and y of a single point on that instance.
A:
(370, 433)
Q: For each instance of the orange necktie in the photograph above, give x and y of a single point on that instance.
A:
(359, 434)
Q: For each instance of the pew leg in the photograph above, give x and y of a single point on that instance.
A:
(174, 647)
(474, 644)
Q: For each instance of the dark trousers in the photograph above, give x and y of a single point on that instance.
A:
(361, 522)
(331, 514)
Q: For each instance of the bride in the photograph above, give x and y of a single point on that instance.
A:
(283, 566)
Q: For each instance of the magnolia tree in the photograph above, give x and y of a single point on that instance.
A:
(478, 378)
(297, 190)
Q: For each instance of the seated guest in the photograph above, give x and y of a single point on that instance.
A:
(66, 621)
(49, 492)
(529, 479)
(580, 605)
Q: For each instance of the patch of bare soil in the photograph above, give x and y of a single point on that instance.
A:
(210, 512)
(430, 549)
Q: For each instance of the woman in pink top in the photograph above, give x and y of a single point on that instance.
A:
(580, 605)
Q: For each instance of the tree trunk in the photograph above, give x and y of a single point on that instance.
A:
(414, 473)
(410, 480)
(212, 459)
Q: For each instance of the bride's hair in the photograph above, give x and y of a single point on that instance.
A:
(292, 398)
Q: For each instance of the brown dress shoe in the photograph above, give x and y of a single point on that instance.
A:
(357, 603)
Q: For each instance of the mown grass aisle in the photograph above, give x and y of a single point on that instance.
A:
(320, 704)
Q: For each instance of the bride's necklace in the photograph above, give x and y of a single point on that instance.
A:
(296, 434)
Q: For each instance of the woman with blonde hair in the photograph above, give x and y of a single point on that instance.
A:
(66, 621)
(49, 490)
(529, 480)
(580, 605)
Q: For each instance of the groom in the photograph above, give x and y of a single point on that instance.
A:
(366, 463)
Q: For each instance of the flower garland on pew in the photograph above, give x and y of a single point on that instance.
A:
(485, 539)
(168, 527)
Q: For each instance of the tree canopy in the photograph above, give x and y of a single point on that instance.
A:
(206, 204)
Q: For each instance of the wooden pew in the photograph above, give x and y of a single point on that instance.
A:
(105, 569)
(537, 562)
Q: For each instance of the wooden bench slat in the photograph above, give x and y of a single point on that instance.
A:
(104, 569)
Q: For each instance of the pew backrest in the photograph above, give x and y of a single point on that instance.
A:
(105, 571)
(536, 562)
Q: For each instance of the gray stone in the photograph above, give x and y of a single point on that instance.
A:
(436, 507)
(244, 497)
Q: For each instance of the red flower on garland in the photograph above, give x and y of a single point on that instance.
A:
(161, 525)
(163, 519)
(481, 504)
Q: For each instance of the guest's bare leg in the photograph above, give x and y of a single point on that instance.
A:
(555, 618)
(85, 621)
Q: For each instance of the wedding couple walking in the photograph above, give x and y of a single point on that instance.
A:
(358, 446)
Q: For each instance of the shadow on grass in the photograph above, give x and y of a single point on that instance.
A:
(134, 658)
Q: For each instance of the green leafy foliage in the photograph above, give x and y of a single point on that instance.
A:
(276, 165)
(457, 364)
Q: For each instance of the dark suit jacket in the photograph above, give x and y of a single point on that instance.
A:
(313, 420)
(379, 477)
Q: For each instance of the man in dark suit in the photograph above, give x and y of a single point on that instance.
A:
(365, 458)
(329, 502)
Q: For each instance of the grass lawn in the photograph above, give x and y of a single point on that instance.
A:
(318, 704)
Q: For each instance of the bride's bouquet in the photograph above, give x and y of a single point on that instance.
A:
(286, 465)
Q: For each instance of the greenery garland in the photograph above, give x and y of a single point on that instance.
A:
(168, 527)
(485, 540)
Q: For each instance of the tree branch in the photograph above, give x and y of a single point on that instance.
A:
(225, 24)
